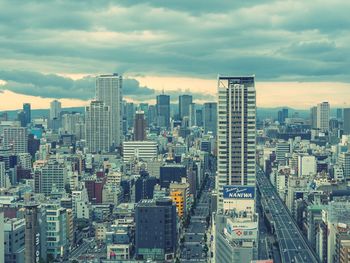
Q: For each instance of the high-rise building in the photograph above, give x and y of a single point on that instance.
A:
(70, 121)
(155, 234)
(130, 114)
(344, 162)
(52, 175)
(210, 117)
(98, 127)
(282, 115)
(323, 116)
(199, 117)
(313, 117)
(236, 132)
(109, 91)
(163, 110)
(140, 126)
(151, 116)
(184, 105)
(16, 138)
(55, 109)
(27, 112)
(346, 121)
(339, 114)
(192, 115)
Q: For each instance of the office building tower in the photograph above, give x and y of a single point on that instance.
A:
(144, 107)
(313, 117)
(323, 116)
(346, 121)
(163, 111)
(192, 115)
(130, 114)
(52, 175)
(155, 234)
(27, 112)
(21, 118)
(14, 230)
(282, 115)
(151, 116)
(236, 132)
(70, 121)
(109, 91)
(98, 127)
(184, 105)
(199, 117)
(16, 138)
(55, 109)
(339, 114)
(140, 126)
(210, 117)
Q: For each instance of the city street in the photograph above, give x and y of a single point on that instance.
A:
(194, 236)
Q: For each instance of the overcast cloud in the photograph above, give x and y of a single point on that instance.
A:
(276, 40)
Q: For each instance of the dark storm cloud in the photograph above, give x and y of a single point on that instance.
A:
(276, 40)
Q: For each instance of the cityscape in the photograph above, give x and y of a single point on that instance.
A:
(179, 132)
(127, 182)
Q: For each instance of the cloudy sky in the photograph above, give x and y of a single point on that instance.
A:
(299, 50)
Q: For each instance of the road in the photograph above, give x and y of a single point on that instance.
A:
(194, 241)
(293, 246)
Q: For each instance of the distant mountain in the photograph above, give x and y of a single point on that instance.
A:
(38, 113)
(262, 113)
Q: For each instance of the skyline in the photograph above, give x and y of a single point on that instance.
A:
(49, 48)
(269, 95)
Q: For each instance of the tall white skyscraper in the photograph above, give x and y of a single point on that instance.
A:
(97, 127)
(236, 132)
(16, 138)
(109, 91)
(323, 115)
(55, 109)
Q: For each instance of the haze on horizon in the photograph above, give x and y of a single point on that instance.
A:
(53, 49)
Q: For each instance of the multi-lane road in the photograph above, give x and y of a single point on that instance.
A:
(293, 246)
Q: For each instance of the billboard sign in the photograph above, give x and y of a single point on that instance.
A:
(239, 192)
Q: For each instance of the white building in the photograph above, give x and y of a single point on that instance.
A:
(144, 150)
(236, 138)
(98, 127)
(80, 204)
(16, 138)
(55, 109)
(109, 91)
(307, 165)
(323, 116)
